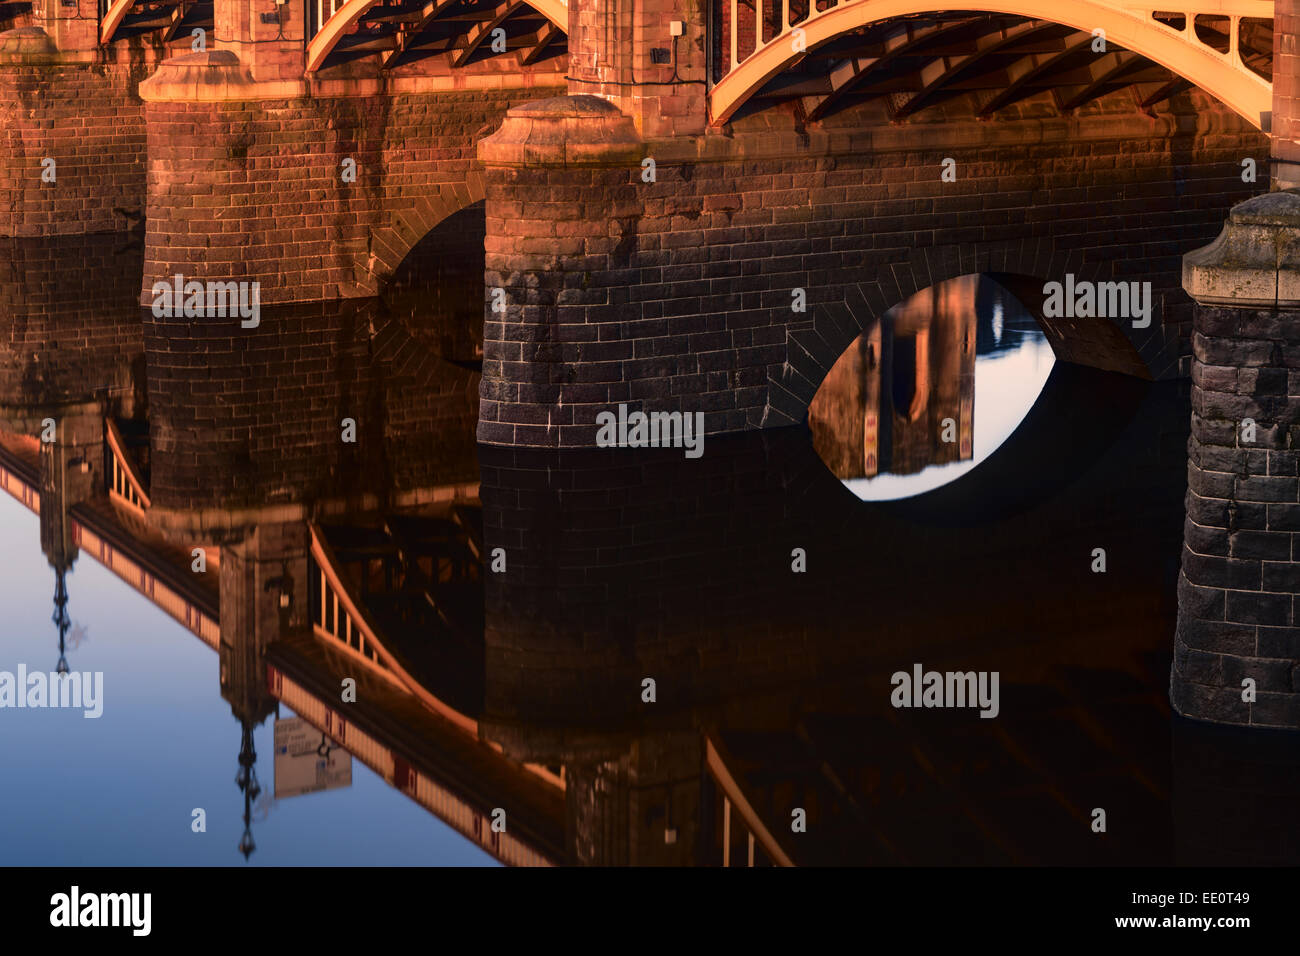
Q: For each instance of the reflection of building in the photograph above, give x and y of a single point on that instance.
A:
(71, 356)
(902, 396)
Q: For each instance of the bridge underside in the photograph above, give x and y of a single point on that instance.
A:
(402, 33)
(994, 61)
(172, 20)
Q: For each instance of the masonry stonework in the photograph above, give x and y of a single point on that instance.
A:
(675, 293)
(1239, 590)
(83, 112)
(243, 188)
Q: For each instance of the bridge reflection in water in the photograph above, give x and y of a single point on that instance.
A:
(521, 690)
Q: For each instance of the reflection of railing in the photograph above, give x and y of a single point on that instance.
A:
(735, 801)
(401, 775)
(104, 542)
(124, 482)
(331, 619)
(194, 618)
(339, 617)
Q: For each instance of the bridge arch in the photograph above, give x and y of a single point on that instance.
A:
(1020, 266)
(1223, 75)
(391, 242)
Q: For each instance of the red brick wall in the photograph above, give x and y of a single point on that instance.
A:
(253, 191)
(676, 294)
(89, 119)
(1286, 91)
(248, 418)
(69, 324)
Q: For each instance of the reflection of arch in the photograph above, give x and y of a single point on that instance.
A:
(393, 241)
(1222, 75)
(1019, 266)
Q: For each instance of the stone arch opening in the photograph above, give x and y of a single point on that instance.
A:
(898, 415)
(405, 225)
(437, 289)
(1023, 269)
(960, 379)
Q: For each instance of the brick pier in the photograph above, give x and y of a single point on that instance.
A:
(1237, 655)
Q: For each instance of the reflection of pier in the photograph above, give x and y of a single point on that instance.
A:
(747, 726)
(773, 686)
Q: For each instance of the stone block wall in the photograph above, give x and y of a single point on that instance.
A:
(252, 190)
(85, 116)
(677, 294)
(1239, 591)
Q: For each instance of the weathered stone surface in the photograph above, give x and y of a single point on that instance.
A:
(563, 131)
(252, 190)
(693, 271)
(27, 45)
(1255, 261)
(84, 116)
(1236, 610)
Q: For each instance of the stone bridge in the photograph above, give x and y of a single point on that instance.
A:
(693, 207)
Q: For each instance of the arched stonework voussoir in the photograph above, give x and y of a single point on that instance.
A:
(1021, 266)
(406, 225)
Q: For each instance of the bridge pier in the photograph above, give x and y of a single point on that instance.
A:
(72, 136)
(1286, 95)
(726, 275)
(315, 197)
(1237, 648)
(313, 183)
(562, 210)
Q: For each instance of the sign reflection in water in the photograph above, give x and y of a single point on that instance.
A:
(930, 390)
